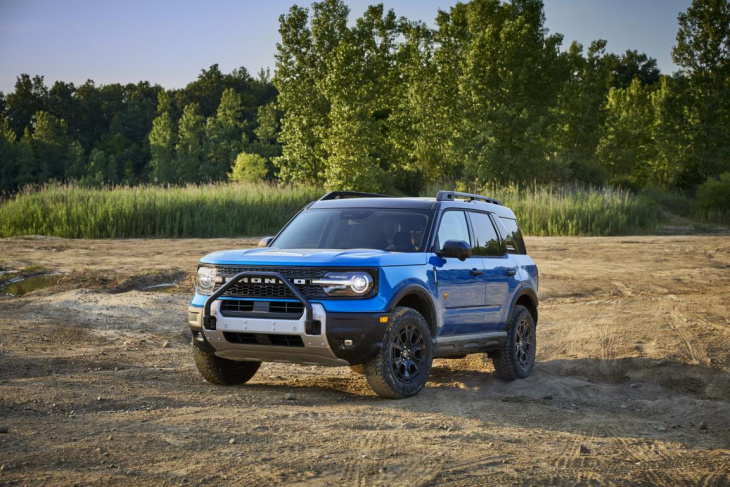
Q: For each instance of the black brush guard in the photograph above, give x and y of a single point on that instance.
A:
(209, 321)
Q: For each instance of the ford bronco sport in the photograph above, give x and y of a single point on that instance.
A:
(383, 285)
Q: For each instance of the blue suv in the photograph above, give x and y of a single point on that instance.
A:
(381, 284)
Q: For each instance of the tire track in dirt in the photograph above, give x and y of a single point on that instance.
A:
(658, 465)
(715, 479)
(358, 470)
(471, 464)
(576, 464)
(691, 348)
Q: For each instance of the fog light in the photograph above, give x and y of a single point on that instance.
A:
(348, 343)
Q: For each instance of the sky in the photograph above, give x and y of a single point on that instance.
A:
(168, 42)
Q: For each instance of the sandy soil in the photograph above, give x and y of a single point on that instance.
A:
(631, 387)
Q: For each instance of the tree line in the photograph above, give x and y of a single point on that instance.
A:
(134, 133)
(388, 104)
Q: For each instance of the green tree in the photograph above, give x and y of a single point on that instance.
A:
(8, 156)
(76, 161)
(28, 167)
(581, 113)
(224, 137)
(703, 54)
(30, 97)
(358, 84)
(248, 168)
(266, 144)
(98, 161)
(301, 62)
(50, 144)
(189, 148)
(423, 113)
(506, 75)
(634, 65)
(642, 139)
(162, 139)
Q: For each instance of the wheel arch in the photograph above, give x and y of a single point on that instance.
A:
(418, 298)
(526, 297)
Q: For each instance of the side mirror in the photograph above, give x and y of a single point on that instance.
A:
(264, 242)
(456, 248)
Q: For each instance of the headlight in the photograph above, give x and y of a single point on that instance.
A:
(205, 280)
(346, 283)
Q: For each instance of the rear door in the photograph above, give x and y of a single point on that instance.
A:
(461, 284)
(500, 271)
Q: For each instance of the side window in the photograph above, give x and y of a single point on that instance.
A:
(485, 236)
(453, 227)
(513, 238)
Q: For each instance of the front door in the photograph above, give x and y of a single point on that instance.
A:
(461, 284)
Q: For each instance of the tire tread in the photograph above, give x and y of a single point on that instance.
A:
(505, 363)
(221, 371)
(377, 370)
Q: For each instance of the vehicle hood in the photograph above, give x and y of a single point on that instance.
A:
(315, 257)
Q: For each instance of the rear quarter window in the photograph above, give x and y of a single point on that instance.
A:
(513, 237)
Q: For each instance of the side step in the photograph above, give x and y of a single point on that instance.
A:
(474, 343)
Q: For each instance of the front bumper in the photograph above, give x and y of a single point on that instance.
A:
(316, 337)
(345, 339)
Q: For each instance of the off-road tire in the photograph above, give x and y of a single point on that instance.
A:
(517, 357)
(401, 367)
(221, 371)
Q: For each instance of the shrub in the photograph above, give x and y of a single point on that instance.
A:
(248, 168)
(713, 199)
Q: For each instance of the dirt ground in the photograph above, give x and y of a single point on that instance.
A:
(631, 385)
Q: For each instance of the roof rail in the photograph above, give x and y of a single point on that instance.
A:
(336, 195)
(452, 195)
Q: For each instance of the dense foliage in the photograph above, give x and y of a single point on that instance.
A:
(227, 210)
(383, 103)
(134, 133)
(488, 96)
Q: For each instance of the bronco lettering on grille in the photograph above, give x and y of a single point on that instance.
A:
(269, 280)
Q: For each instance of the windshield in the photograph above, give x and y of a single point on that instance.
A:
(398, 230)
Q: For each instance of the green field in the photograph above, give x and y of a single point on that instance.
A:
(227, 210)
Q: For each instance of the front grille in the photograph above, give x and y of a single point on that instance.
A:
(264, 339)
(275, 291)
(262, 309)
(286, 307)
(230, 307)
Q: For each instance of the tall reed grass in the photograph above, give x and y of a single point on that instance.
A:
(227, 210)
(213, 210)
(578, 210)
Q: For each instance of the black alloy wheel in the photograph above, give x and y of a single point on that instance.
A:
(523, 342)
(407, 353)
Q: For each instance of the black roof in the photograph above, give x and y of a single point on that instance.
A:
(412, 203)
(377, 202)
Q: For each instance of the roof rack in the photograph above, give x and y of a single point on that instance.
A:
(337, 195)
(452, 195)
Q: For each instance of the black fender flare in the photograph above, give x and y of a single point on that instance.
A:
(423, 293)
(531, 294)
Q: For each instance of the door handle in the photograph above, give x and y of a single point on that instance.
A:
(511, 271)
(476, 272)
